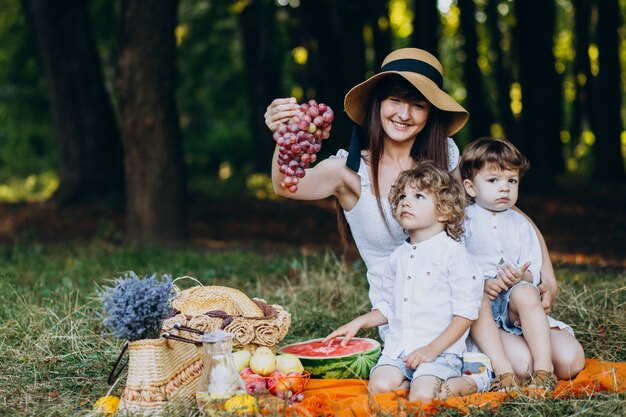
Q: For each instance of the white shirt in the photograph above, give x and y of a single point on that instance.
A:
(424, 286)
(496, 238)
(372, 238)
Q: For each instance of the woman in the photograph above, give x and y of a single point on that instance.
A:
(404, 116)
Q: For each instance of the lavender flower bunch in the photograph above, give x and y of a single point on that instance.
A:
(134, 308)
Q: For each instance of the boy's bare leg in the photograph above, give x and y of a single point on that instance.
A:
(387, 378)
(526, 304)
(486, 335)
(453, 387)
(424, 388)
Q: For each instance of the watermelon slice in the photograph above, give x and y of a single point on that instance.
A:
(355, 360)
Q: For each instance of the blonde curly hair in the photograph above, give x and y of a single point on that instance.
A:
(448, 194)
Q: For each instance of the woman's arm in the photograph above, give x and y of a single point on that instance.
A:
(549, 286)
(327, 178)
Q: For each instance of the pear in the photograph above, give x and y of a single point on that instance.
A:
(288, 363)
(263, 361)
(242, 359)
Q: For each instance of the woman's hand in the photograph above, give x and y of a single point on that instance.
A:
(547, 297)
(280, 111)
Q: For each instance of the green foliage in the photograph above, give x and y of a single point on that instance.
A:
(35, 187)
(26, 142)
(211, 93)
(57, 354)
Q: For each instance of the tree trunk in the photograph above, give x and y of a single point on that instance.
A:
(262, 65)
(502, 75)
(425, 26)
(88, 141)
(608, 160)
(582, 108)
(541, 90)
(480, 122)
(155, 180)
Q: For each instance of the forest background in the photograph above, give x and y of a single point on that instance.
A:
(141, 121)
(140, 106)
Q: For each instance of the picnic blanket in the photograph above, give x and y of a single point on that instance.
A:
(349, 397)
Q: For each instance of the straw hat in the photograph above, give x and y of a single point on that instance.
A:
(421, 69)
(198, 300)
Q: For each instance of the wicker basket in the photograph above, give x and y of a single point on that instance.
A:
(162, 370)
(159, 370)
(253, 322)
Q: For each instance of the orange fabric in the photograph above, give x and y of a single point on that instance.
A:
(349, 397)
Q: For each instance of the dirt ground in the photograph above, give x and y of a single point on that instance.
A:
(582, 227)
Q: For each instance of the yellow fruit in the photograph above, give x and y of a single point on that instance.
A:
(242, 404)
(242, 359)
(288, 363)
(263, 350)
(107, 406)
(263, 362)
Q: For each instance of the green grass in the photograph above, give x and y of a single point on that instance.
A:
(55, 355)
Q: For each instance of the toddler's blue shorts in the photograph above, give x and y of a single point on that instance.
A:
(500, 310)
(444, 367)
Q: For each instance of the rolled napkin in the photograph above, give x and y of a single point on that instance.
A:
(168, 324)
(267, 334)
(243, 331)
(204, 324)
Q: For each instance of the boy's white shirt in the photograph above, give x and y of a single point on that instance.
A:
(424, 286)
(495, 238)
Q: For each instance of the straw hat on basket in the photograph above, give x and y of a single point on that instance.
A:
(198, 300)
(421, 69)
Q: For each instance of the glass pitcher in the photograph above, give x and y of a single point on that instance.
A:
(220, 380)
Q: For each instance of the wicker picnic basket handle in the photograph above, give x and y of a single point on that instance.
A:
(119, 366)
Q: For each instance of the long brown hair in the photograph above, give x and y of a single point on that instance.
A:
(430, 144)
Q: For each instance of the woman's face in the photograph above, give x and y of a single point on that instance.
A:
(403, 119)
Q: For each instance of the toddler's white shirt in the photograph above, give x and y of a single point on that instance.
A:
(424, 286)
(374, 241)
(495, 238)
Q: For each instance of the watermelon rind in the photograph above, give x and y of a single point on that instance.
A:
(349, 366)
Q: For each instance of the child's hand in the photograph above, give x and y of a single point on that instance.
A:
(511, 276)
(420, 355)
(348, 331)
(280, 111)
(493, 287)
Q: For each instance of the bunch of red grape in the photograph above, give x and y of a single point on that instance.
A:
(300, 139)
